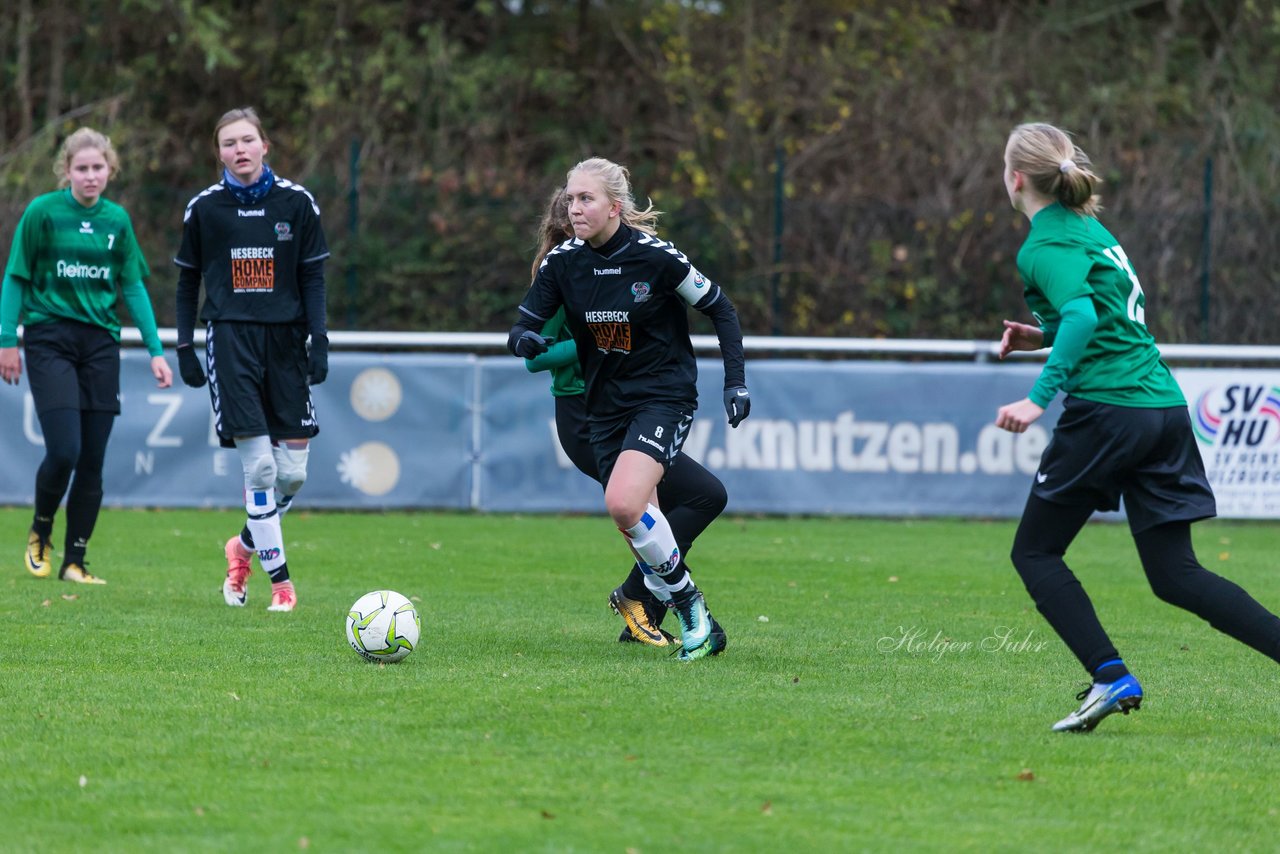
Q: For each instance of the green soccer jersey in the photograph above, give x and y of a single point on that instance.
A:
(71, 260)
(561, 359)
(1067, 256)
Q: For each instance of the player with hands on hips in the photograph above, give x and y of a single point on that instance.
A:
(625, 293)
(1124, 430)
(255, 242)
(72, 250)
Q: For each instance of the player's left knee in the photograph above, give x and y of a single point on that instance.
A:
(716, 498)
(1186, 590)
(291, 468)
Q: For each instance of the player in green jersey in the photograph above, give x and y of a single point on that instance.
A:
(71, 251)
(1124, 431)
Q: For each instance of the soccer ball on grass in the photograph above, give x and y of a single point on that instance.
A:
(383, 626)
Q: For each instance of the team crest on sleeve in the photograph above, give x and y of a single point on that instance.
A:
(694, 287)
(641, 291)
(696, 280)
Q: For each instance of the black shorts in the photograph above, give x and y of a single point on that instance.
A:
(258, 381)
(574, 433)
(72, 365)
(658, 430)
(1101, 452)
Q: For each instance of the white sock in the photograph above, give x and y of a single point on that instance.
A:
(654, 546)
(264, 525)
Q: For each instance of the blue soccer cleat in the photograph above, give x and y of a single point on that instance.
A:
(1102, 699)
(700, 635)
(695, 619)
(714, 645)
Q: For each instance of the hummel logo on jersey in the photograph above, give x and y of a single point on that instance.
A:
(243, 212)
(607, 271)
(86, 227)
(1041, 477)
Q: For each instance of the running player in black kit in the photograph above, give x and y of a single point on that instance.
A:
(256, 242)
(625, 293)
(690, 496)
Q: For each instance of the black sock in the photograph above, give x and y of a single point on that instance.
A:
(634, 587)
(43, 526)
(280, 573)
(83, 503)
(61, 428)
(1110, 671)
(84, 500)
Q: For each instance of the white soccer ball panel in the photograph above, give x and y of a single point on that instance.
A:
(383, 626)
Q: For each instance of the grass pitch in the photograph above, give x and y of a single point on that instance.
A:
(887, 686)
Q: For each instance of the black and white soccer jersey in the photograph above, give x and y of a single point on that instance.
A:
(626, 305)
(249, 256)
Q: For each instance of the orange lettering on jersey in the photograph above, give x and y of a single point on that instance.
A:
(611, 337)
(253, 274)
